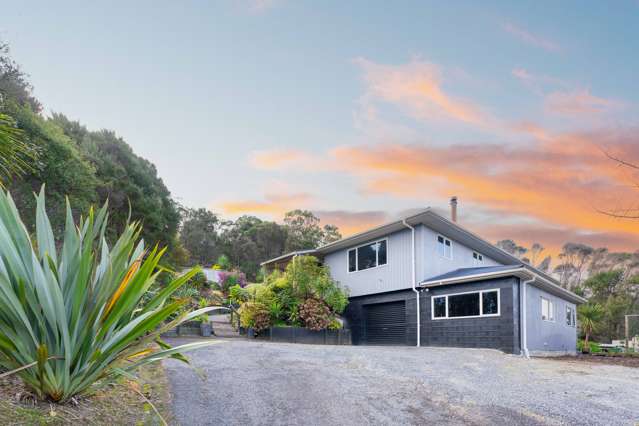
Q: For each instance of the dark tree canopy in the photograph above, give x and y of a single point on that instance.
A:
(125, 179)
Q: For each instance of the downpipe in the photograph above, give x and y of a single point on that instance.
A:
(524, 328)
(412, 229)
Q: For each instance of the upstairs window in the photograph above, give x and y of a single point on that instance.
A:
(478, 259)
(547, 310)
(570, 316)
(444, 247)
(367, 256)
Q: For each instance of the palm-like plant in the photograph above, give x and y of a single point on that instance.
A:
(71, 319)
(589, 317)
(16, 155)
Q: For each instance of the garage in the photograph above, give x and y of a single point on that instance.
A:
(385, 323)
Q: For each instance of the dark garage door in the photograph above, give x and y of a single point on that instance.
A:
(385, 323)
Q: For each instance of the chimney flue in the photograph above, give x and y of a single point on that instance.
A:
(453, 208)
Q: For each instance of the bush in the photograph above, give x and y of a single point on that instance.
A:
(254, 315)
(594, 347)
(74, 317)
(315, 314)
(304, 294)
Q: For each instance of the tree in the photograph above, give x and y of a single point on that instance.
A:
(509, 246)
(574, 257)
(16, 154)
(14, 84)
(60, 166)
(617, 293)
(304, 231)
(198, 235)
(128, 181)
(589, 317)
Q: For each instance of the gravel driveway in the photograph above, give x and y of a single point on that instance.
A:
(250, 382)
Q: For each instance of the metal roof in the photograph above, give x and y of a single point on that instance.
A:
(466, 272)
(287, 255)
(522, 271)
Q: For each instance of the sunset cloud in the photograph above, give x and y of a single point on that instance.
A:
(273, 205)
(277, 159)
(579, 102)
(530, 38)
(560, 181)
(351, 222)
(417, 87)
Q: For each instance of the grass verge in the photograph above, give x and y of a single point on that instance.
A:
(120, 403)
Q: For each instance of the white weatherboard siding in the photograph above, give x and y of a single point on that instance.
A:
(396, 274)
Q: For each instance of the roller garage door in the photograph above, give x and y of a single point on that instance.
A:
(385, 323)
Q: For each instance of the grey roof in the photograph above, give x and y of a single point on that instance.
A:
(287, 255)
(522, 271)
(467, 272)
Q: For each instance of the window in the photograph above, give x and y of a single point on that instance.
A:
(570, 316)
(478, 259)
(490, 303)
(439, 307)
(466, 305)
(367, 256)
(352, 260)
(444, 247)
(547, 310)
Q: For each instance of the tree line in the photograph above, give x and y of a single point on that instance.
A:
(91, 167)
(607, 279)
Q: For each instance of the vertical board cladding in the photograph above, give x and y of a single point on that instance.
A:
(548, 336)
(395, 275)
(499, 332)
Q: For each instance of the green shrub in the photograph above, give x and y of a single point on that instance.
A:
(72, 318)
(315, 314)
(594, 347)
(254, 315)
(304, 294)
(335, 324)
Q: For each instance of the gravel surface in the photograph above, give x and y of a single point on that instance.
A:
(240, 382)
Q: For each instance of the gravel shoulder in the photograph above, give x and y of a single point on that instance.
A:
(250, 383)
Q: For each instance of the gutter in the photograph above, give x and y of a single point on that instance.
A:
(412, 229)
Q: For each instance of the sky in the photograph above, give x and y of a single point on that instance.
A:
(359, 111)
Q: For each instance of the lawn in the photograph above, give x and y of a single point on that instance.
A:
(119, 403)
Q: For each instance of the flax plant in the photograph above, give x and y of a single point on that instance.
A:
(71, 317)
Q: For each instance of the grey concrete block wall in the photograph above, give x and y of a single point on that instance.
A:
(500, 332)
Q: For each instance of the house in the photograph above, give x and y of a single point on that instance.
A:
(425, 280)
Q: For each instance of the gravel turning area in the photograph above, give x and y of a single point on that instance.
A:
(240, 382)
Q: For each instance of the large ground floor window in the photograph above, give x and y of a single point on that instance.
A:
(483, 303)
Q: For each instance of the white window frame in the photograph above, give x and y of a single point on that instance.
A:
(551, 309)
(444, 244)
(357, 258)
(479, 259)
(573, 321)
(481, 304)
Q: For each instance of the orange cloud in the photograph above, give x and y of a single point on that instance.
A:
(417, 87)
(274, 205)
(531, 39)
(579, 102)
(562, 180)
(281, 159)
(350, 222)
